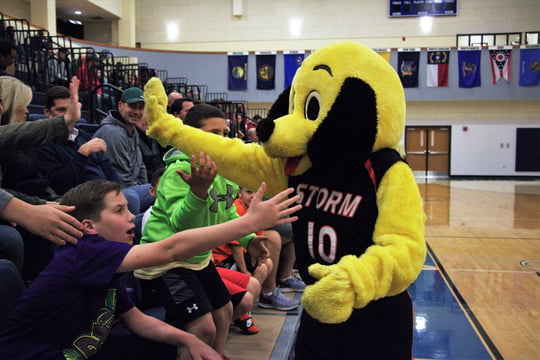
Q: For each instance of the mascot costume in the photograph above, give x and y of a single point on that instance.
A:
(333, 136)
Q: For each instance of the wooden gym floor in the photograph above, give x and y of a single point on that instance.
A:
(478, 296)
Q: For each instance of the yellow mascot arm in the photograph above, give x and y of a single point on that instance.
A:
(246, 164)
(387, 267)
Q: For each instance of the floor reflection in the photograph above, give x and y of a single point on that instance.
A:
(495, 208)
(483, 305)
(442, 330)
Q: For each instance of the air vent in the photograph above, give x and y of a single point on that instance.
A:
(96, 18)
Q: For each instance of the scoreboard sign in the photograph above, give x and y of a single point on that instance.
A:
(402, 8)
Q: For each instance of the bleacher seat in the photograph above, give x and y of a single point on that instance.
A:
(35, 109)
(32, 117)
(38, 98)
(90, 128)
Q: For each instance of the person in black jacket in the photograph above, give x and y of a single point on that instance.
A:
(152, 152)
(80, 158)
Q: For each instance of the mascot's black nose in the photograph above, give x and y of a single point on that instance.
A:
(279, 108)
(265, 128)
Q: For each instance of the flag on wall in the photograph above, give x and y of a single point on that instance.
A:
(266, 71)
(437, 67)
(469, 67)
(237, 69)
(385, 53)
(529, 66)
(408, 67)
(500, 62)
(292, 61)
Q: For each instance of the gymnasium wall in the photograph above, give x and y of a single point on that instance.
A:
(264, 25)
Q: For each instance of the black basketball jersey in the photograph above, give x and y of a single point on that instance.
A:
(339, 211)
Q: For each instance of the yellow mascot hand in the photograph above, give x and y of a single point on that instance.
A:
(162, 126)
(330, 300)
(155, 99)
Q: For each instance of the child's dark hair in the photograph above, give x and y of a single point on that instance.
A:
(88, 198)
(156, 175)
(201, 112)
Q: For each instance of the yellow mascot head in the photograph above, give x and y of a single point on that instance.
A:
(345, 102)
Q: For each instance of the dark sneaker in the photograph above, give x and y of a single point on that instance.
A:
(246, 324)
(277, 301)
(292, 284)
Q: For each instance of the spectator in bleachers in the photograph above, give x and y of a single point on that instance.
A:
(46, 221)
(40, 45)
(180, 107)
(123, 143)
(173, 95)
(80, 157)
(50, 222)
(152, 152)
(8, 52)
(118, 76)
(58, 68)
(20, 173)
(251, 128)
(181, 206)
(16, 96)
(9, 35)
(132, 80)
(89, 76)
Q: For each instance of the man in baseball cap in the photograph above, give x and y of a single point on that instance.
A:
(133, 95)
(123, 142)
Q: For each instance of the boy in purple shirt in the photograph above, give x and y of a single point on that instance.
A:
(69, 310)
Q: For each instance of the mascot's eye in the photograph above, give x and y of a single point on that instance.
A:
(313, 106)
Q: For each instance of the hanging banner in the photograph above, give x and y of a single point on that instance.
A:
(529, 65)
(266, 70)
(469, 67)
(408, 67)
(237, 70)
(501, 57)
(385, 53)
(292, 60)
(437, 67)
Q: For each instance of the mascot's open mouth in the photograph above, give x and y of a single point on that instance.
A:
(291, 164)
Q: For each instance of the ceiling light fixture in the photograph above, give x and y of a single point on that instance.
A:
(77, 12)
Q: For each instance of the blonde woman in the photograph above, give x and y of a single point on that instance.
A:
(16, 97)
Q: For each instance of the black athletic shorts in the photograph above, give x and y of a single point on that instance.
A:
(188, 294)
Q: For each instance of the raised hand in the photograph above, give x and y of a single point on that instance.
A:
(201, 176)
(275, 211)
(73, 113)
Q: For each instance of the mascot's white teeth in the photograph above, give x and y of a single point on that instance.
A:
(291, 165)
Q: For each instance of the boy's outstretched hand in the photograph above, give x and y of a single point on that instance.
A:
(201, 177)
(275, 211)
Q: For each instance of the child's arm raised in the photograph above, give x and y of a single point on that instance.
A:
(188, 243)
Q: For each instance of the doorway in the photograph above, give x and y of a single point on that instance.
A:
(428, 150)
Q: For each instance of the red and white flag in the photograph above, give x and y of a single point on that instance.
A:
(437, 67)
(500, 62)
